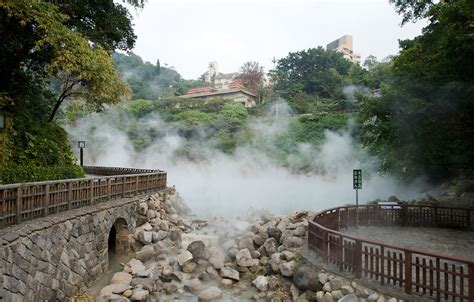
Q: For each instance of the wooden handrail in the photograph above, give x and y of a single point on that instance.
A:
(377, 260)
(25, 201)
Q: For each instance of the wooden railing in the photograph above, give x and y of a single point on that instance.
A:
(26, 201)
(439, 277)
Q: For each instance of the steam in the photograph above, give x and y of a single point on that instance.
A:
(222, 184)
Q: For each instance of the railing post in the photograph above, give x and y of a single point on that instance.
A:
(91, 188)
(69, 195)
(19, 197)
(46, 200)
(136, 186)
(325, 248)
(358, 258)
(471, 282)
(408, 273)
(109, 189)
(403, 213)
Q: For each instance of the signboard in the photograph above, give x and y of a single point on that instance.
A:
(357, 179)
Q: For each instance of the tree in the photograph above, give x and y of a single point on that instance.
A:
(314, 71)
(251, 74)
(423, 119)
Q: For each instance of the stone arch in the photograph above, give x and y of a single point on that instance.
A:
(119, 239)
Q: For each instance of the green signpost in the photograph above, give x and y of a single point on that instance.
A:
(357, 184)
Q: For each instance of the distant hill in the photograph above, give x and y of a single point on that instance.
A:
(149, 81)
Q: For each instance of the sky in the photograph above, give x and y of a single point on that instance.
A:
(188, 34)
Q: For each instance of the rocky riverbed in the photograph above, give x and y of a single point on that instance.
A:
(179, 257)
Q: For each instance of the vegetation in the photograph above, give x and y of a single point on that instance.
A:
(422, 122)
(52, 51)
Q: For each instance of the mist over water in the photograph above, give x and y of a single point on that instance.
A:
(223, 184)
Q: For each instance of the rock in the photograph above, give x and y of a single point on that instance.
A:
(230, 273)
(288, 255)
(211, 271)
(306, 278)
(246, 243)
(216, 258)
(287, 268)
(116, 288)
(211, 293)
(227, 282)
(244, 258)
(136, 266)
(143, 208)
(259, 239)
(293, 241)
(139, 294)
(300, 231)
(373, 297)
(327, 298)
(150, 214)
(145, 237)
(160, 235)
(349, 298)
(194, 286)
(327, 287)
(122, 278)
(320, 296)
(336, 283)
(323, 278)
(145, 253)
(184, 257)
(112, 298)
(346, 290)
(270, 246)
(167, 270)
(128, 293)
(196, 248)
(337, 294)
(261, 283)
(274, 233)
(144, 274)
(188, 267)
(175, 236)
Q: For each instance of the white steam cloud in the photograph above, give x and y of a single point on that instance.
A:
(222, 184)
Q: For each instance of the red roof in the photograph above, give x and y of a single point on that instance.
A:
(217, 92)
(201, 89)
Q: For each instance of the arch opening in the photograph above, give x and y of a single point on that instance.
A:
(119, 242)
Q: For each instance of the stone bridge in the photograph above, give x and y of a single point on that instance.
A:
(57, 236)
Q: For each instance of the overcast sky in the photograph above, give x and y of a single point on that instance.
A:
(188, 34)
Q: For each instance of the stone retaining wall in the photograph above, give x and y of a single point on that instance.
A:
(51, 258)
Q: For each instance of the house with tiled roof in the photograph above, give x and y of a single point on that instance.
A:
(235, 93)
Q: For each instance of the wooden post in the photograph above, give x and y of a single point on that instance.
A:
(91, 188)
(19, 198)
(2, 209)
(136, 186)
(382, 265)
(408, 273)
(109, 189)
(358, 258)
(46, 200)
(69, 195)
(470, 275)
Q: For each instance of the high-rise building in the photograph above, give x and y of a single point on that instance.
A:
(344, 46)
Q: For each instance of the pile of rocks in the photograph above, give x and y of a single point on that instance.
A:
(178, 258)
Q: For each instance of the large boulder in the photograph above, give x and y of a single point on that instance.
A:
(143, 208)
(244, 258)
(122, 278)
(139, 294)
(230, 273)
(274, 233)
(116, 288)
(196, 248)
(261, 283)
(287, 268)
(216, 258)
(349, 298)
(136, 266)
(270, 245)
(210, 294)
(145, 237)
(306, 278)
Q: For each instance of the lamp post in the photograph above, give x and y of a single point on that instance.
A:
(81, 145)
(357, 184)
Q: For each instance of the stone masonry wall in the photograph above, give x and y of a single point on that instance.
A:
(51, 258)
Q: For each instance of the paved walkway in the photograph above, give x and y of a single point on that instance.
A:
(444, 241)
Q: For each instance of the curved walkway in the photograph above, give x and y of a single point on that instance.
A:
(459, 243)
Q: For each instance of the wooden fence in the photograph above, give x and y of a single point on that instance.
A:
(26, 201)
(439, 277)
